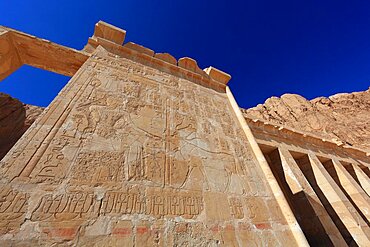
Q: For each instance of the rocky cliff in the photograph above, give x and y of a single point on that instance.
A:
(15, 119)
(344, 117)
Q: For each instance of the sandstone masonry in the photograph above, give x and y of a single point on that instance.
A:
(141, 149)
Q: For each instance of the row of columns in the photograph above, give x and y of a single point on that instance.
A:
(330, 202)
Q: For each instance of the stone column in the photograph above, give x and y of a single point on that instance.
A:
(361, 176)
(350, 218)
(358, 196)
(293, 173)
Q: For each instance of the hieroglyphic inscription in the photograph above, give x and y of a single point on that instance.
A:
(236, 207)
(54, 162)
(99, 166)
(84, 205)
(71, 206)
(13, 206)
(175, 205)
(117, 203)
(145, 128)
(124, 142)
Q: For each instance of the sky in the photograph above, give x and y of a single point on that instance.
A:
(312, 48)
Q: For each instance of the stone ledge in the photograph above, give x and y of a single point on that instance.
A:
(285, 132)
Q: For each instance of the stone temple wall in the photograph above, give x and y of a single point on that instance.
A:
(128, 155)
(140, 149)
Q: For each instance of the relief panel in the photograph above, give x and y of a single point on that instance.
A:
(131, 142)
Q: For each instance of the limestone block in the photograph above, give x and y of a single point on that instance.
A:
(189, 64)
(218, 75)
(109, 32)
(166, 57)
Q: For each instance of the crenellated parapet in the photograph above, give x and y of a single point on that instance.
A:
(112, 39)
(17, 48)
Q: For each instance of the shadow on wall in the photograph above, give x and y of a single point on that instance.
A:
(310, 206)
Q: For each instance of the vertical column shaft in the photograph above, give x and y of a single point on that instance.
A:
(291, 169)
(341, 205)
(358, 196)
(361, 176)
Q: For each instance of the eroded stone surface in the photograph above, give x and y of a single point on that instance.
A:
(139, 150)
(344, 117)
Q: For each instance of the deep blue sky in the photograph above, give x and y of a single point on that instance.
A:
(313, 48)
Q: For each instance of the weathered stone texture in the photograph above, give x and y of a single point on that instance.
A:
(140, 149)
(15, 119)
(344, 117)
(125, 156)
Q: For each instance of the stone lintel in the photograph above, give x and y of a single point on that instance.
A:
(40, 53)
(9, 58)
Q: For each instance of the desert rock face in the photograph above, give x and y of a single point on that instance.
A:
(15, 119)
(344, 117)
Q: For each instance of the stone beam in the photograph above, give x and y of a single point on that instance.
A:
(358, 196)
(297, 182)
(18, 48)
(9, 59)
(350, 218)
